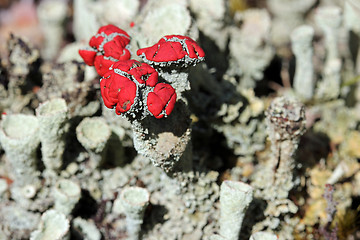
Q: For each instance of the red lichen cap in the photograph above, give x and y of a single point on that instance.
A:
(96, 41)
(110, 28)
(128, 82)
(126, 97)
(142, 72)
(173, 49)
(118, 91)
(104, 32)
(88, 55)
(116, 48)
(145, 74)
(163, 52)
(162, 100)
(105, 83)
(108, 46)
(102, 64)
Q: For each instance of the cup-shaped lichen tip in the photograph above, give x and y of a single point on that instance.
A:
(53, 225)
(93, 133)
(66, 193)
(235, 198)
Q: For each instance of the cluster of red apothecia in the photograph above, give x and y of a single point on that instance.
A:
(125, 82)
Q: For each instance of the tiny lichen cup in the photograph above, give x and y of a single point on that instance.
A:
(93, 134)
(66, 194)
(134, 201)
(53, 116)
(53, 225)
(235, 198)
(19, 138)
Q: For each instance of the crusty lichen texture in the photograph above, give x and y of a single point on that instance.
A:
(285, 120)
(235, 198)
(134, 201)
(53, 116)
(19, 136)
(181, 119)
(301, 45)
(140, 91)
(53, 225)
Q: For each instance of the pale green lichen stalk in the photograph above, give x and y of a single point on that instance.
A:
(52, 116)
(287, 15)
(285, 119)
(301, 44)
(53, 225)
(329, 19)
(250, 51)
(86, 228)
(263, 236)
(51, 15)
(134, 201)
(19, 138)
(66, 194)
(93, 134)
(235, 198)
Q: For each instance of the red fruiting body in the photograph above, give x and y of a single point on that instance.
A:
(102, 64)
(195, 51)
(126, 97)
(118, 91)
(103, 31)
(109, 45)
(88, 56)
(142, 72)
(126, 82)
(105, 84)
(109, 29)
(162, 98)
(172, 48)
(96, 41)
(117, 48)
(163, 52)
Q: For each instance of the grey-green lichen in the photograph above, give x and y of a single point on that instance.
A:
(16, 222)
(51, 15)
(285, 120)
(53, 225)
(134, 201)
(301, 45)
(242, 124)
(52, 116)
(167, 145)
(19, 136)
(93, 134)
(86, 228)
(246, 47)
(235, 198)
(66, 194)
(263, 236)
(215, 135)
